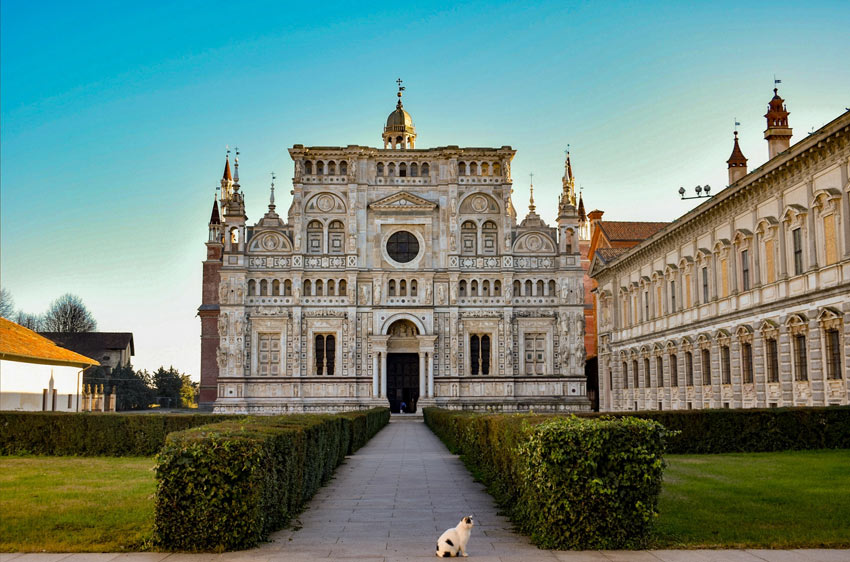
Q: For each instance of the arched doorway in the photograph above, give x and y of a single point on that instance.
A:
(403, 367)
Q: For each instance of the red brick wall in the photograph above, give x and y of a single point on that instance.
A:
(209, 326)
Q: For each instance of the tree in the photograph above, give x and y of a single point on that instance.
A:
(168, 384)
(7, 304)
(68, 314)
(189, 392)
(133, 389)
(27, 320)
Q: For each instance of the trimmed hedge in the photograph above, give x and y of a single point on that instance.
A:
(92, 434)
(567, 482)
(752, 431)
(226, 486)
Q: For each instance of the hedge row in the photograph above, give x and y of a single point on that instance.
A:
(567, 482)
(92, 434)
(226, 486)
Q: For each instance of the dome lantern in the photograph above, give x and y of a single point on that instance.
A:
(399, 131)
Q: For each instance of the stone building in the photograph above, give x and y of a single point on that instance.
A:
(399, 276)
(745, 300)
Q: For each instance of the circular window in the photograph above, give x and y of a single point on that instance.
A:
(403, 246)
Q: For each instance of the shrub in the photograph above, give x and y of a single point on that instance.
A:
(226, 486)
(569, 483)
(92, 434)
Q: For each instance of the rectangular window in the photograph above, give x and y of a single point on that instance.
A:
(704, 285)
(689, 368)
(647, 379)
(268, 358)
(635, 373)
(833, 355)
(645, 306)
(659, 371)
(769, 266)
(801, 365)
(625, 375)
(797, 238)
(772, 361)
(479, 354)
(706, 367)
(745, 270)
(725, 365)
(535, 354)
(747, 362)
(724, 277)
(674, 370)
(829, 240)
(672, 296)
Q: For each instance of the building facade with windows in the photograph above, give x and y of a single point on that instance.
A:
(744, 301)
(400, 276)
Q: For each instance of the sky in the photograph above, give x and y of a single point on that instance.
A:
(114, 118)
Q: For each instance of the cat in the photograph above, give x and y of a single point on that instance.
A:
(453, 541)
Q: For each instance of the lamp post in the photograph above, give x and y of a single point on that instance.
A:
(702, 191)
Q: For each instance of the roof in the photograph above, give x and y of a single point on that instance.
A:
(92, 343)
(607, 254)
(22, 344)
(214, 216)
(626, 230)
(737, 156)
(227, 175)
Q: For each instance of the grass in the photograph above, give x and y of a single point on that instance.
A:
(75, 504)
(770, 500)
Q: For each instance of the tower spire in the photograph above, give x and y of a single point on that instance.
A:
(531, 206)
(236, 167)
(226, 180)
(737, 162)
(778, 133)
(271, 196)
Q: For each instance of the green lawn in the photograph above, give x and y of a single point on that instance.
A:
(75, 504)
(773, 500)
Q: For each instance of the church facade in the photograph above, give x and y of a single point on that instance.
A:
(400, 276)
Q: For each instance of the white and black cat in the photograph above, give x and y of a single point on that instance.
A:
(453, 541)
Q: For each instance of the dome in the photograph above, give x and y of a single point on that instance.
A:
(399, 120)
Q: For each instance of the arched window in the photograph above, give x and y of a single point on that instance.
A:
(331, 168)
(402, 170)
(646, 376)
(325, 354)
(331, 288)
(485, 288)
(276, 288)
(497, 288)
(308, 288)
(264, 288)
(380, 168)
(497, 169)
(485, 169)
(343, 168)
(287, 288)
(425, 169)
(528, 287)
(252, 287)
(413, 288)
(402, 288)
(461, 169)
(553, 291)
(320, 168)
(462, 288)
(391, 169)
(308, 167)
(314, 237)
(468, 238)
(341, 288)
(414, 170)
(674, 370)
(391, 288)
(689, 368)
(705, 360)
(473, 169)
(473, 288)
(517, 288)
(489, 238)
(320, 288)
(485, 355)
(330, 353)
(539, 288)
(625, 375)
(635, 374)
(336, 237)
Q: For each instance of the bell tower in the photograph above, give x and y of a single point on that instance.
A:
(399, 131)
(778, 133)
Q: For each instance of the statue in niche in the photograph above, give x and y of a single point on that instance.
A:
(565, 290)
(237, 326)
(428, 292)
(509, 291)
(454, 292)
(441, 294)
(452, 243)
(364, 294)
(453, 168)
(222, 292)
(221, 358)
(454, 205)
(352, 242)
(240, 291)
(352, 170)
(298, 168)
(377, 292)
(222, 324)
(351, 292)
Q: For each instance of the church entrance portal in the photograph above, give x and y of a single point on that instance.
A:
(403, 381)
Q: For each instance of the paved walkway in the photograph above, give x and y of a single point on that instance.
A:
(391, 501)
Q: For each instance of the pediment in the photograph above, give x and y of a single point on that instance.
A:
(403, 202)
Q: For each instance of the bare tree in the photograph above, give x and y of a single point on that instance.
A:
(27, 320)
(68, 314)
(7, 304)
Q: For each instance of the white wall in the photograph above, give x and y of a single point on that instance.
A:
(22, 386)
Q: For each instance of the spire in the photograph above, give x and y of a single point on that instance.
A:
(227, 180)
(737, 162)
(399, 105)
(271, 196)
(568, 195)
(531, 206)
(778, 133)
(227, 175)
(236, 168)
(399, 131)
(215, 218)
(582, 217)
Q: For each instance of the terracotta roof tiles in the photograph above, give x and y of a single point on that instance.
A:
(21, 344)
(630, 231)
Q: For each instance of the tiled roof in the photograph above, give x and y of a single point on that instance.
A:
(608, 254)
(21, 344)
(630, 231)
(92, 344)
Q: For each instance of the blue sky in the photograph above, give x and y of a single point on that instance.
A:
(114, 118)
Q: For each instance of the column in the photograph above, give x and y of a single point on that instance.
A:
(421, 374)
(431, 374)
(383, 374)
(375, 389)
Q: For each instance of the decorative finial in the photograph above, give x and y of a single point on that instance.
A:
(271, 197)
(236, 166)
(531, 206)
(567, 151)
(400, 90)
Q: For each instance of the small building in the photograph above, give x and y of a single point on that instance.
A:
(111, 349)
(36, 374)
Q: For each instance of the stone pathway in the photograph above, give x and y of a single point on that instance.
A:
(390, 502)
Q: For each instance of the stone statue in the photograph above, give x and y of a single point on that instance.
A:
(509, 291)
(352, 170)
(364, 294)
(454, 293)
(453, 168)
(428, 291)
(377, 292)
(454, 206)
(237, 326)
(441, 294)
(222, 324)
(221, 358)
(222, 292)
(298, 169)
(352, 242)
(565, 290)
(351, 293)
